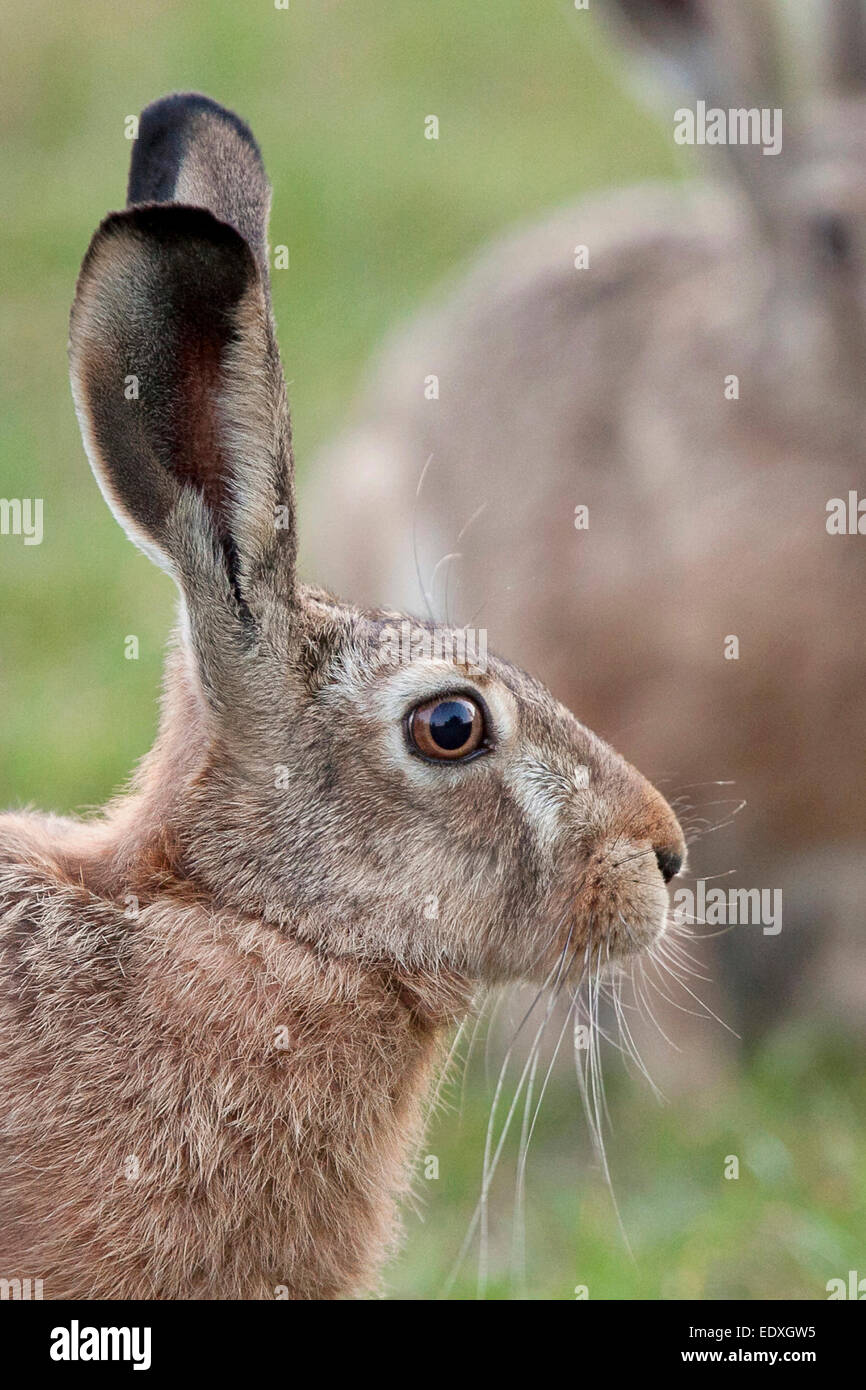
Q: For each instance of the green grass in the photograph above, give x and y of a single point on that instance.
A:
(532, 113)
(791, 1220)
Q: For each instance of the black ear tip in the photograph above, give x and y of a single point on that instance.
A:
(178, 110)
(673, 9)
(166, 132)
(652, 18)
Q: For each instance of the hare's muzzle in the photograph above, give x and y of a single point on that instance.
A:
(630, 858)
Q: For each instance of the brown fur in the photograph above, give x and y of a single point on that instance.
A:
(223, 999)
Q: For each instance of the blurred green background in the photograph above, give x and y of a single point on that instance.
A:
(533, 111)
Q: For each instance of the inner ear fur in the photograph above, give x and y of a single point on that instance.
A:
(178, 386)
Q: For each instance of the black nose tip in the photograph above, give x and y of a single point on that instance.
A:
(670, 861)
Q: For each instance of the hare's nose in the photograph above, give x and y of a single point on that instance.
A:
(669, 860)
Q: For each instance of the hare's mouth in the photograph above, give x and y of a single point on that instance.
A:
(622, 899)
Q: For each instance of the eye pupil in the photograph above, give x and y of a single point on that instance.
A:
(447, 728)
(451, 724)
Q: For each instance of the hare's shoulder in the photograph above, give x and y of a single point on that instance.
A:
(60, 943)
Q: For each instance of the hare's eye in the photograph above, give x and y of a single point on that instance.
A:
(449, 727)
(832, 237)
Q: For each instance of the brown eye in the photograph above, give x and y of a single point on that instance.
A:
(446, 728)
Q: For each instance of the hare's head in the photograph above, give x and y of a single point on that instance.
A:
(790, 82)
(357, 779)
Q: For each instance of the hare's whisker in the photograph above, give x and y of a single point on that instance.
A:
(424, 594)
(518, 1230)
(481, 1204)
(490, 1165)
(444, 1071)
(479, 1019)
(631, 1046)
(648, 1013)
(596, 1135)
(519, 1227)
(658, 962)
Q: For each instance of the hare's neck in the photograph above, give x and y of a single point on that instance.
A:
(321, 1068)
(289, 1087)
(304, 1075)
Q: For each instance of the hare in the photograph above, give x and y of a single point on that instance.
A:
(225, 997)
(633, 466)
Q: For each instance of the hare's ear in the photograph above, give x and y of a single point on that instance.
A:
(181, 399)
(846, 44)
(724, 51)
(176, 374)
(191, 150)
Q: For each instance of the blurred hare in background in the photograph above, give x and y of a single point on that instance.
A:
(697, 387)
